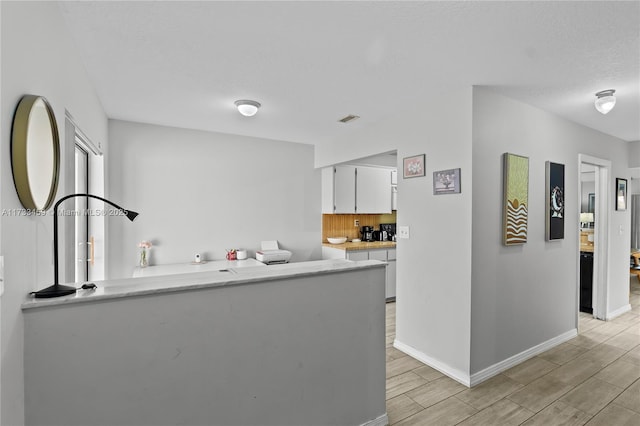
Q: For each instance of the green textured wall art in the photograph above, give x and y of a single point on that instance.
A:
(516, 199)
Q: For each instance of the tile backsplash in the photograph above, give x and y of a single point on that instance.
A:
(342, 225)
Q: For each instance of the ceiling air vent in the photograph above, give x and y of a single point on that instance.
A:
(349, 118)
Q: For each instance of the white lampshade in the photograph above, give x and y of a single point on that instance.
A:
(247, 108)
(605, 101)
(586, 217)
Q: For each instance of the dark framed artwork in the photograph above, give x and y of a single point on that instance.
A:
(413, 166)
(621, 194)
(516, 199)
(446, 182)
(554, 201)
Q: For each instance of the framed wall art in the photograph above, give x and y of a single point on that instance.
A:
(591, 206)
(516, 199)
(554, 201)
(621, 194)
(446, 182)
(413, 166)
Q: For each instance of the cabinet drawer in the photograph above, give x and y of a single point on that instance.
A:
(358, 255)
(378, 255)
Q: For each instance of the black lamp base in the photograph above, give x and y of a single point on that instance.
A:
(55, 290)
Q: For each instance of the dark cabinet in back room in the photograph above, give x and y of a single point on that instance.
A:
(586, 282)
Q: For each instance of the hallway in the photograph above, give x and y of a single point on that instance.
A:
(592, 379)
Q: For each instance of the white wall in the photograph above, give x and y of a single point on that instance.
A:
(37, 58)
(434, 265)
(634, 186)
(206, 192)
(523, 296)
(634, 154)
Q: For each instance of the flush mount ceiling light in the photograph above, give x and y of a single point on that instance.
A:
(605, 101)
(247, 108)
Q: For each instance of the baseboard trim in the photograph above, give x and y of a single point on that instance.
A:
(501, 366)
(618, 312)
(454, 373)
(383, 420)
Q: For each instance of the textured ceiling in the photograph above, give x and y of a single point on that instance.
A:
(183, 64)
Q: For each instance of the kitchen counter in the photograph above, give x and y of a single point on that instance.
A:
(148, 285)
(212, 348)
(204, 266)
(349, 246)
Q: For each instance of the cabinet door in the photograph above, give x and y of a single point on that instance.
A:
(391, 254)
(390, 286)
(328, 202)
(586, 282)
(333, 253)
(373, 191)
(344, 187)
(378, 255)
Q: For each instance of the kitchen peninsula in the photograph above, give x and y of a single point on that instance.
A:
(293, 344)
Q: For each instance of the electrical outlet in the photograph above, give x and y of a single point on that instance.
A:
(356, 223)
(403, 232)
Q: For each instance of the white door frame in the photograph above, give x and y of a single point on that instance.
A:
(74, 136)
(601, 236)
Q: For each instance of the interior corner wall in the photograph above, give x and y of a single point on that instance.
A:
(525, 295)
(434, 264)
(37, 57)
(204, 192)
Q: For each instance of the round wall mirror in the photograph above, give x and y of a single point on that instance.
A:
(35, 153)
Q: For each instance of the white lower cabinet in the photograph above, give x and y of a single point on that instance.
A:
(390, 287)
(357, 255)
(386, 255)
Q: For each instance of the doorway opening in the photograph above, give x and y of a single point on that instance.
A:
(594, 196)
(83, 245)
(84, 236)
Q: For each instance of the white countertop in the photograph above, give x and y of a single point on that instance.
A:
(184, 268)
(121, 288)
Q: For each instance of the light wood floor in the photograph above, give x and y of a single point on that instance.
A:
(592, 379)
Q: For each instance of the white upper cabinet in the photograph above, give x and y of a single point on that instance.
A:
(350, 189)
(345, 189)
(373, 190)
(339, 189)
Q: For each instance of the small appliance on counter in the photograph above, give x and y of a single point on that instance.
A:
(367, 233)
(270, 253)
(379, 235)
(390, 229)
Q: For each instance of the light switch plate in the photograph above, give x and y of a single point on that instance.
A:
(403, 232)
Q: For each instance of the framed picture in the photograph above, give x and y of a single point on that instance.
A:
(413, 166)
(591, 207)
(554, 201)
(446, 182)
(621, 194)
(516, 199)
